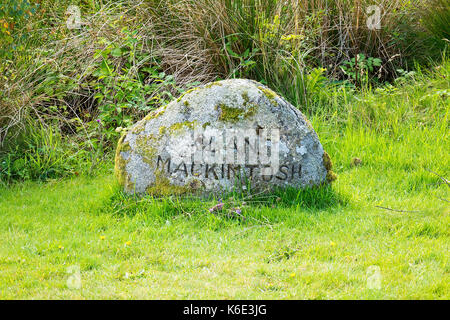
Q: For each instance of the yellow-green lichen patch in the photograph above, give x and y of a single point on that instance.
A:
(215, 83)
(156, 113)
(163, 187)
(206, 124)
(162, 130)
(138, 127)
(120, 164)
(270, 94)
(185, 93)
(232, 114)
(331, 176)
(145, 146)
(181, 125)
(122, 146)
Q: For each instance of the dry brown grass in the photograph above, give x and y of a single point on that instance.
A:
(190, 38)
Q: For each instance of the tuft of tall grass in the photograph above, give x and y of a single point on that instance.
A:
(435, 17)
(41, 154)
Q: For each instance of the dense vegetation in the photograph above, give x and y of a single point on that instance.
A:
(75, 72)
(387, 215)
(378, 99)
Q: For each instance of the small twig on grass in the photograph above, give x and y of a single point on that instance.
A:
(442, 178)
(442, 199)
(396, 209)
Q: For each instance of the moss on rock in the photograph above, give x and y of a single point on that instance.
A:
(187, 92)
(145, 147)
(162, 130)
(212, 84)
(163, 187)
(180, 125)
(138, 127)
(331, 176)
(206, 124)
(155, 114)
(270, 94)
(232, 114)
(327, 161)
(120, 164)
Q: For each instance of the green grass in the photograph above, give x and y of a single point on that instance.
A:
(311, 250)
(314, 244)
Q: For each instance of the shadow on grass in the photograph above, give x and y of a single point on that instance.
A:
(241, 208)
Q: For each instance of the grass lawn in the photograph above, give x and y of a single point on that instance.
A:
(316, 248)
(315, 244)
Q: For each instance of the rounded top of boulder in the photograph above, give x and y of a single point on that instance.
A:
(221, 136)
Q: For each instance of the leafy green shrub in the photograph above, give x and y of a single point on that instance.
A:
(128, 83)
(360, 68)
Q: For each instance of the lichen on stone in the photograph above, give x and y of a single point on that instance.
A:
(215, 83)
(155, 113)
(232, 114)
(145, 146)
(185, 108)
(138, 127)
(245, 97)
(180, 125)
(120, 164)
(308, 123)
(163, 187)
(271, 95)
(187, 92)
(206, 124)
(162, 130)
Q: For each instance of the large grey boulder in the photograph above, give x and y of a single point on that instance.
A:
(224, 135)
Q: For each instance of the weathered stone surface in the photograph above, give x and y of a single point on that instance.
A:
(171, 151)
